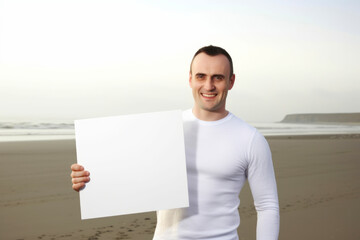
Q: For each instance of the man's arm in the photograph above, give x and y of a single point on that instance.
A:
(262, 182)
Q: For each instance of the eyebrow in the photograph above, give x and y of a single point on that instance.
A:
(199, 73)
(215, 75)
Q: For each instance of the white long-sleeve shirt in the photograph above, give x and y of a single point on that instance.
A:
(220, 156)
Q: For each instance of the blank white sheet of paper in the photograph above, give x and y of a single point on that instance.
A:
(136, 163)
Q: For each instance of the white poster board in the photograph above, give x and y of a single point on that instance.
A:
(136, 163)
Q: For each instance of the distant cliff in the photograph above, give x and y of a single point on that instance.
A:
(322, 118)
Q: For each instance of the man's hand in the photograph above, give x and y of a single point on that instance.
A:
(79, 177)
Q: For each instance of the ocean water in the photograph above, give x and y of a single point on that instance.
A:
(27, 131)
(283, 129)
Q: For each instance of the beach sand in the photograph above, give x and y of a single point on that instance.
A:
(318, 182)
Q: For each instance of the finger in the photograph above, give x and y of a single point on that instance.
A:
(79, 174)
(78, 186)
(77, 167)
(80, 180)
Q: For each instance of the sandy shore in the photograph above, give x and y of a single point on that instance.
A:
(318, 181)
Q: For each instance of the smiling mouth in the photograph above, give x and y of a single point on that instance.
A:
(212, 95)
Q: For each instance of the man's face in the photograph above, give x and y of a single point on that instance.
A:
(210, 81)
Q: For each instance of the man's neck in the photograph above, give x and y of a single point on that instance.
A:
(209, 116)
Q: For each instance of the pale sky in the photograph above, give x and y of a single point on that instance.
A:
(66, 60)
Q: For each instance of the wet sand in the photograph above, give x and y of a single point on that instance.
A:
(318, 182)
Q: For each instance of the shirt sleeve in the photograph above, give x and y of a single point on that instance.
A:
(262, 183)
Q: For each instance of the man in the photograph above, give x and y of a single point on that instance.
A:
(222, 152)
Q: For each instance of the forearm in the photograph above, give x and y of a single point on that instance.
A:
(268, 223)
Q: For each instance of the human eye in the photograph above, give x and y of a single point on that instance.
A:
(219, 77)
(200, 76)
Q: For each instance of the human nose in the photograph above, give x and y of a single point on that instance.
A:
(209, 84)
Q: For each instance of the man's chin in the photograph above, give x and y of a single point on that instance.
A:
(210, 108)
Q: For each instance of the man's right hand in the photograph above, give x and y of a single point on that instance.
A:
(79, 177)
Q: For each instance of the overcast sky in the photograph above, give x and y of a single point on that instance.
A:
(65, 60)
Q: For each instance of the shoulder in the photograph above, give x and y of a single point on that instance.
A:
(256, 141)
(245, 128)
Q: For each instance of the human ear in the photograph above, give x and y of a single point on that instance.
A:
(190, 79)
(232, 81)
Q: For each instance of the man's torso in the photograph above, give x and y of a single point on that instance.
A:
(217, 160)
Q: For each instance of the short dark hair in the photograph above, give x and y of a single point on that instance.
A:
(214, 51)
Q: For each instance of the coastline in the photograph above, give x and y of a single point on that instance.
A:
(317, 177)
